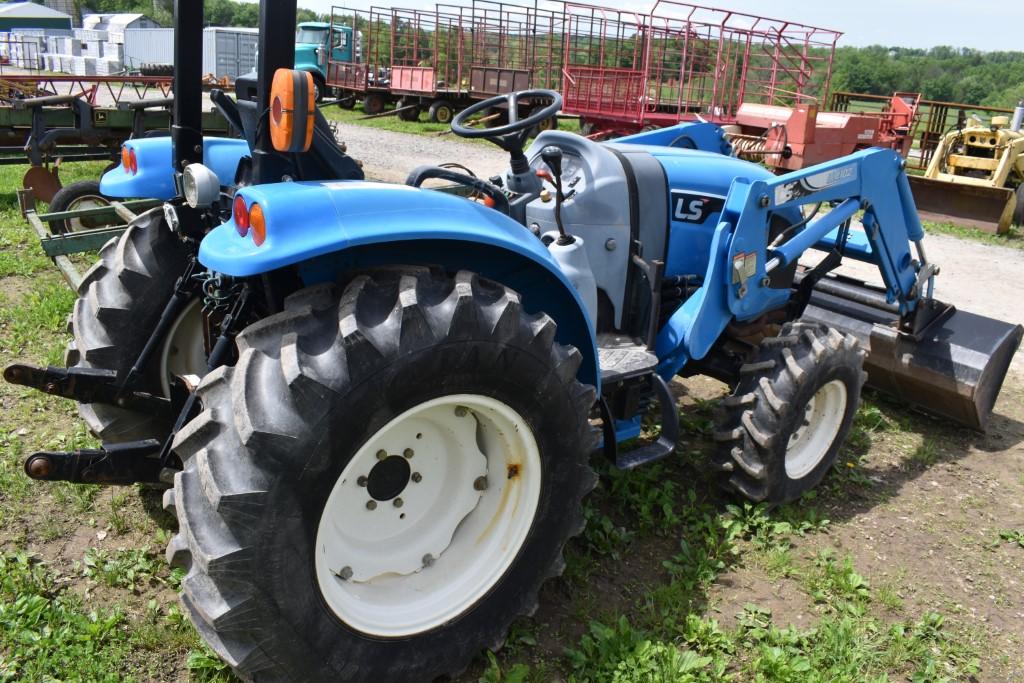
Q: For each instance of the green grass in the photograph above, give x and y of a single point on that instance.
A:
(1014, 239)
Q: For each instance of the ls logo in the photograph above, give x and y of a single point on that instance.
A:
(688, 207)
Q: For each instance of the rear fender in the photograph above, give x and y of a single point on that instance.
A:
(329, 228)
(155, 176)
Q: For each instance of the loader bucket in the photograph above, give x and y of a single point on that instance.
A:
(954, 371)
(986, 208)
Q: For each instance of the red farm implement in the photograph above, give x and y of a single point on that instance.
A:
(794, 137)
(625, 71)
(445, 58)
(366, 75)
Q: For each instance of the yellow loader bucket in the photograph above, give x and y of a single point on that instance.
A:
(986, 208)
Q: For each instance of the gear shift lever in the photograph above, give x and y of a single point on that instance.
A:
(552, 156)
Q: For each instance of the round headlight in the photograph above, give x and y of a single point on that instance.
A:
(200, 185)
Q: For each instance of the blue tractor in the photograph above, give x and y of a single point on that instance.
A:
(376, 404)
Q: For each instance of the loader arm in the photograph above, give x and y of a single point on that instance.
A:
(923, 351)
(872, 180)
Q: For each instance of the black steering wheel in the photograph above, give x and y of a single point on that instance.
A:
(511, 137)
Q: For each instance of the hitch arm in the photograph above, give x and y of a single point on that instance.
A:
(85, 385)
(123, 463)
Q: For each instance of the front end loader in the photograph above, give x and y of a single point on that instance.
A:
(976, 176)
(375, 405)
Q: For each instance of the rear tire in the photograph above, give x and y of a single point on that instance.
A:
(81, 195)
(782, 427)
(263, 490)
(119, 302)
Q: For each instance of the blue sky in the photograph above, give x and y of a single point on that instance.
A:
(979, 24)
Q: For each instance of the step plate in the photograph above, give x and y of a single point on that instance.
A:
(622, 358)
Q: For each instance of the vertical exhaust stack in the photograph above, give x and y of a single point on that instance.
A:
(1018, 117)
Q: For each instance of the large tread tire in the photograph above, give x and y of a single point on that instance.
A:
(257, 468)
(119, 303)
(767, 406)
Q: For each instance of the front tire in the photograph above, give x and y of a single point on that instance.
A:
(781, 429)
(333, 407)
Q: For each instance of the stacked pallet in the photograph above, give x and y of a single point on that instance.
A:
(88, 52)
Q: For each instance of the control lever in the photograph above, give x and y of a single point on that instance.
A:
(552, 156)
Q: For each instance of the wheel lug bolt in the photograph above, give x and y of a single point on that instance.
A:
(460, 411)
(361, 481)
(371, 505)
(480, 484)
(408, 453)
(428, 560)
(345, 573)
(381, 454)
(398, 502)
(417, 477)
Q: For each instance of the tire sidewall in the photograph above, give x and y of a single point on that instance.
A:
(285, 567)
(784, 487)
(67, 195)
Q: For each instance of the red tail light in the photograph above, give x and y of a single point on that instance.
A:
(241, 215)
(133, 162)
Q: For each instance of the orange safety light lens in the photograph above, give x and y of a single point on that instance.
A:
(125, 159)
(258, 224)
(241, 215)
(292, 110)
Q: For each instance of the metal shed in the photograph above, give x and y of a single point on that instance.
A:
(229, 52)
(30, 15)
(148, 46)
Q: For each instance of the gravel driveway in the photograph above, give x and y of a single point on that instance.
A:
(387, 155)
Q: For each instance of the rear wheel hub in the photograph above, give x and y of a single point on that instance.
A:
(428, 514)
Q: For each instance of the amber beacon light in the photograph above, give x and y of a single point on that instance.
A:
(292, 107)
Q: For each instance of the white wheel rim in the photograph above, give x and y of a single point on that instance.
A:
(184, 351)
(84, 202)
(823, 415)
(404, 568)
